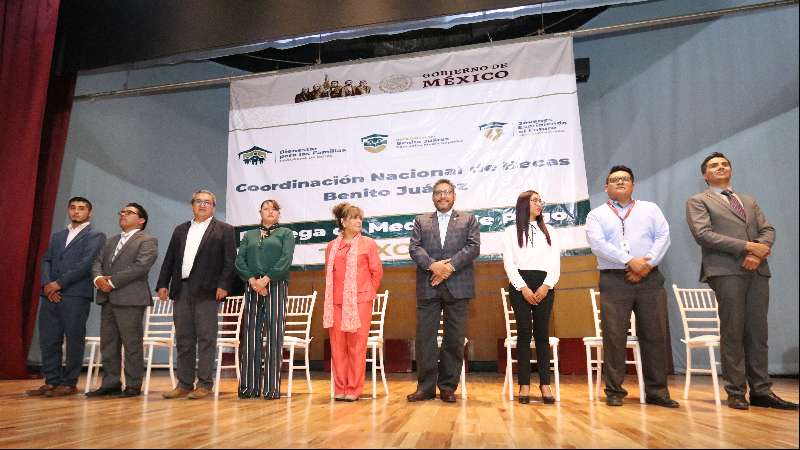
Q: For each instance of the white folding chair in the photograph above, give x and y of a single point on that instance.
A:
(159, 331)
(439, 339)
(229, 324)
(700, 319)
(511, 342)
(374, 343)
(299, 309)
(596, 342)
(94, 362)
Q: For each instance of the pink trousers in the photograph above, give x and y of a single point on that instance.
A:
(349, 351)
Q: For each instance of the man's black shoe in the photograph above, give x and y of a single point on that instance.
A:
(105, 392)
(737, 401)
(772, 401)
(661, 401)
(419, 396)
(614, 400)
(130, 392)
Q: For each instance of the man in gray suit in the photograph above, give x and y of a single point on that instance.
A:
(66, 299)
(444, 245)
(120, 274)
(736, 239)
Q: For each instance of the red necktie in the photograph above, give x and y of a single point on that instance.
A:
(735, 204)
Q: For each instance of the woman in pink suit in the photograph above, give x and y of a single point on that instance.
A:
(353, 273)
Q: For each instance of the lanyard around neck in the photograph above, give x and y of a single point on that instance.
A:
(616, 213)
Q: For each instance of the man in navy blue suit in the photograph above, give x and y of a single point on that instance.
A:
(67, 292)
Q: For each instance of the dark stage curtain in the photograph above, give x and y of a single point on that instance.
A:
(34, 112)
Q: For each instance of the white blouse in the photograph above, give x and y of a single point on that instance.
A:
(536, 255)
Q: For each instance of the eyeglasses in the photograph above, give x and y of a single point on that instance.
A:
(616, 180)
(446, 193)
(127, 212)
(203, 202)
(538, 202)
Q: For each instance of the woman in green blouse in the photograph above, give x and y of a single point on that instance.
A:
(265, 255)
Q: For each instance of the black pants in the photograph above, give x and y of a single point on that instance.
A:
(648, 300)
(535, 320)
(195, 335)
(66, 318)
(436, 366)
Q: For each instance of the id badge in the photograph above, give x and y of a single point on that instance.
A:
(626, 246)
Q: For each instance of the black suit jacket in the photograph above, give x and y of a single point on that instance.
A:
(213, 265)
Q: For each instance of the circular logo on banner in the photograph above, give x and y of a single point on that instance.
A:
(396, 83)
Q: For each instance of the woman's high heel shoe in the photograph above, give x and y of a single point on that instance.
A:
(547, 399)
(523, 399)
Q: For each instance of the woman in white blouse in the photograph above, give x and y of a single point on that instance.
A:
(532, 259)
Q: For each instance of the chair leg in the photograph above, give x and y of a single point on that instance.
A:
(599, 379)
(90, 369)
(236, 355)
(557, 372)
(333, 385)
(374, 373)
(171, 367)
(149, 368)
(463, 380)
(688, 379)
(589, 370)
(713, 360)
(291, 371)
(383, 371)
(308, 370)
(219, 371)
(637, 354)
(508, 382)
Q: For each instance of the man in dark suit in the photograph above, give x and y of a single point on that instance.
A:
(66, 299)
(198, 267)
(120, 274)
(444, 245)
(736, 240)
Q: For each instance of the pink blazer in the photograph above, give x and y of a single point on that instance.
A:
(370, 269)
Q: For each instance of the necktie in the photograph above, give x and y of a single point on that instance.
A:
(735, 204)
(122, 240)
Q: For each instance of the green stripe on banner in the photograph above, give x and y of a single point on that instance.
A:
(557, 215)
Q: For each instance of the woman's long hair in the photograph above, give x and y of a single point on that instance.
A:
(524, 219)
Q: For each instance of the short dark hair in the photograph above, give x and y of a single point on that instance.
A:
(445, 181)
(618, 169)
(80, 199)
(709, 158)
(142, 213)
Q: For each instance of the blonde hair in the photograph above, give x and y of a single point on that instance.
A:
(344, 210)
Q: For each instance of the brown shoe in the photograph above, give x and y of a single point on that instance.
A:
(419, 396)
(199, 393)
(447, 396)
(62, 391)
(178, 392)
(41, 391)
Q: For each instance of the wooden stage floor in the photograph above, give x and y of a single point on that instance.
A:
(485, 419)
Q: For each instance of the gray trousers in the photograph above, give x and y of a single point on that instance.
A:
(743, 302)
(122, 326)
(195, 337)
(436, 366)
(648, 300)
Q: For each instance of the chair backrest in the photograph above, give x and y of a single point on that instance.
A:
(299, 309)
(698, 309)
(229, 317)
(378, 314)
(508, 315)
(598, 331)
(158, 321)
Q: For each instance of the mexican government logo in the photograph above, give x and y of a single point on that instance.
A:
(396, 83)
(492, 130)
(255, 155)
(375, 143)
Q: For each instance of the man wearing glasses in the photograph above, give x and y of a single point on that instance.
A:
(120, 274)
(444, 245)
(629, 238)
(197, 271)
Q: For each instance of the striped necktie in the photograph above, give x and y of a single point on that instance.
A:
(122, 240)
(735, 204)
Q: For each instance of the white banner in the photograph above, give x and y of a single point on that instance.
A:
(496, 120)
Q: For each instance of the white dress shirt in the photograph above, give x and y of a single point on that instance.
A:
(444, 220)
(535, 255)
(193, 238)
(72, 232)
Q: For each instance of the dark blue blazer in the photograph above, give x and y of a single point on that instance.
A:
(71, 265)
